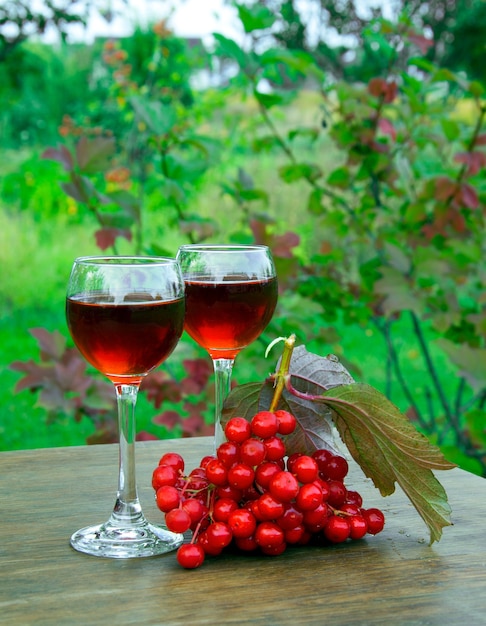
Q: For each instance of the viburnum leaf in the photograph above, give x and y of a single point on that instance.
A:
(389, 449)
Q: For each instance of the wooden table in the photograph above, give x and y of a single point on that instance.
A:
(394, 578)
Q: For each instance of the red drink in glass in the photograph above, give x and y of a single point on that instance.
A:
(126, 340)
(225, 316)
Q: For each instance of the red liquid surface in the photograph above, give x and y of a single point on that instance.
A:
(226, 316)
(127, 340)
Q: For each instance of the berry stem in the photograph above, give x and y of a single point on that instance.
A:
(281, 377)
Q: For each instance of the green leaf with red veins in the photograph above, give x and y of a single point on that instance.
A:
(390, 450)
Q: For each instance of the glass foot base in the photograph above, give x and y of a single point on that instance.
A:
(133, 541)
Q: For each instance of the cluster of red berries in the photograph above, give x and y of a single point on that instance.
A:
(253, 496)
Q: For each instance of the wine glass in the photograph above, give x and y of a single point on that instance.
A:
(125, 315)
(231, 294)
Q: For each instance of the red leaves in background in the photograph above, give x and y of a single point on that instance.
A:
(62, 381)
(422, 43)
(159, 387)
(106, 237)
(199, 371)
(474, 161)
(60, 155)
(65, 387)
(387, 128)
(457, 194)
(380, 88)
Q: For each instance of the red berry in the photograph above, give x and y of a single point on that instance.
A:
(197, 482)
(241, 476)
(337, 493)
(205, 460)
(291, 460)
(255, 509)
(178, 520)
(337, 529)
(294, 535)
(290, 518)
(269, 507)
(228, 492)
(219, 535)
(265, 472)
(209, 549)
(286, 422)
(315, 520)
(269, 534)
(247, 544)
(375, 520)
(164, 475)
(284, 486)
(190, 555)
(195, 508)
(353, 497)
(223, 508)
(350, 509)
(275, 448)
(324, 485)
(237, 430)
(167, 498)
(336, 468)
(322, 457)
(196, 488)
(305, 469)
(228, 453)
(264, 424)
(359, 526)
(173, 459)
(217, 473)
(252, 452)
(242, 523)
(309, 497)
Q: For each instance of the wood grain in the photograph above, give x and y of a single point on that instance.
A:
(393, 578)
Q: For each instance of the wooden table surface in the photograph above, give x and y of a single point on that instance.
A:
(394, 578)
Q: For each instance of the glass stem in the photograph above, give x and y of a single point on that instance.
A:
(222, 385)
(127, 510)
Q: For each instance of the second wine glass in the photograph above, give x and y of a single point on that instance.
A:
(231, 294)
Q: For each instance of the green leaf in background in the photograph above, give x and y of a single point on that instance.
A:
(296, 171)
(296, 60)
(256, 17)
(268, 100)
(158, 117)
(340, 177)
(231, 49)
